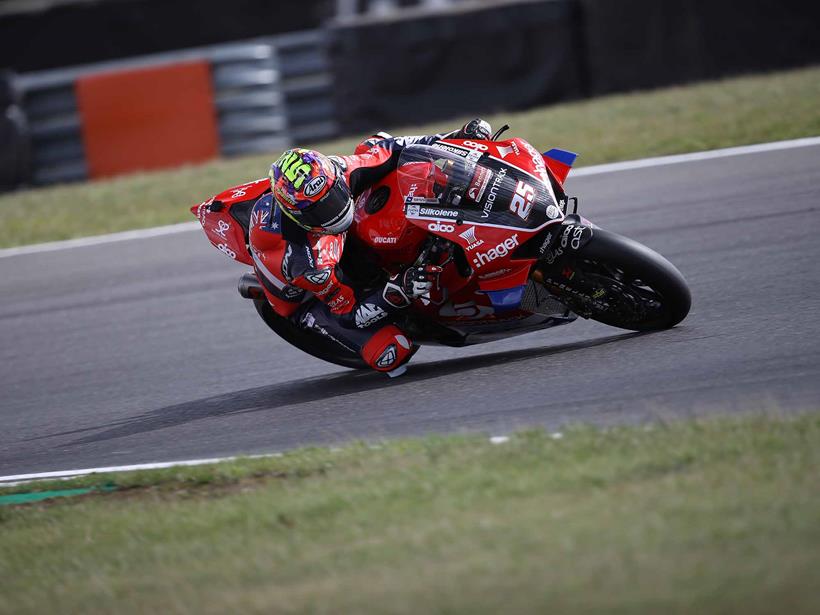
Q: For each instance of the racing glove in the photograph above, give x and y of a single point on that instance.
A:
(415, 281)
(475, 129)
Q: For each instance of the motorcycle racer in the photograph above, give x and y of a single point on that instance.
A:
(297, 234)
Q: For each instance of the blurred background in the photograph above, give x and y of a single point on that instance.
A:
(97, 88)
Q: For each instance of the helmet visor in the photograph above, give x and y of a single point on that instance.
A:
(333, 212)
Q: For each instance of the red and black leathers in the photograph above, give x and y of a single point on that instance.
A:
(291, 262)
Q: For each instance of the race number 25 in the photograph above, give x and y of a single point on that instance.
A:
(521, 203)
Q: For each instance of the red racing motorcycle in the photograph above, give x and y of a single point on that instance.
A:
(495, 217)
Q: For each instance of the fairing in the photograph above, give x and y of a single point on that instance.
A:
(451, 182)
(225, 229)
(559, 162)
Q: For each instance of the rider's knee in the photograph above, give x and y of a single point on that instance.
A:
(387, 349)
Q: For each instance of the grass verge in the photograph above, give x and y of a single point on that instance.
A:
(669, 121)
(707, 516)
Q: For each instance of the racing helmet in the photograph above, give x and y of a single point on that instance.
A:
(311, 191)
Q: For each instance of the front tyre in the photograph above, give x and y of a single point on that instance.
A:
(622, 283)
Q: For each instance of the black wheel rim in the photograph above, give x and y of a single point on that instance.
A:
(612, 294)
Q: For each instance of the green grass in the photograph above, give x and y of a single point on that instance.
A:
(674, 120)
(718, 516)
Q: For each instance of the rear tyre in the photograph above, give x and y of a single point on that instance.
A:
(640, 289)
(306, 341)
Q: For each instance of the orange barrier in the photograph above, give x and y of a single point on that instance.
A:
(147, 118)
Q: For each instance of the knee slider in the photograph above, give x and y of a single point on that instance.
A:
(387, 349)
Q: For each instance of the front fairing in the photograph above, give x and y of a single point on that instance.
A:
(488, 206)
(447, 181)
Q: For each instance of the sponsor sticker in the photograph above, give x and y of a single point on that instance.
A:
(226, 250)
(202, 209)
(441, 228)
(475, 146)
(502, 249)
(222, 228)
(309, 257)
(493, 193)
(420, 200)
(318, 277)
(572, 236)
(449, 148)
(367, 314)
(388, 357)
(337, 302)
(471, 239)
(433, 212)
(286, 262)
(292, 292)
(538, 163)
(315, 186)
(475, 155)
(552, 255)
(479, 183)
(282, 195)
(504, 151)
(546, 244)
(494, 274)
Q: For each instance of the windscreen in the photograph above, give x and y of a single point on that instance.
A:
(449, 182)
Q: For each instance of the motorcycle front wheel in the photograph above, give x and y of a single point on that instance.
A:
(622, 283)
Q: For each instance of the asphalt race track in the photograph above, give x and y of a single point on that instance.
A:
(143, 351)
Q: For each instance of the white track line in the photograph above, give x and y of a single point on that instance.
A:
(64, 474)
(659, 161)
(583, 171)
(18, 479)
(81, 242)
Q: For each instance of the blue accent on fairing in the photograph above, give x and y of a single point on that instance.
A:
(506, 299)
(561, 155)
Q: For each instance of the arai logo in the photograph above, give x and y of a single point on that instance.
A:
(315, 185)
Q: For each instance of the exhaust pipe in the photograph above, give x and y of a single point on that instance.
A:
(250, 288)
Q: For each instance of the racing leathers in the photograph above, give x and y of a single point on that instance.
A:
(292, 263)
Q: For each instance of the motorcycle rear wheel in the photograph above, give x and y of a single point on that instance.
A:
(644, 291)
(307, 341)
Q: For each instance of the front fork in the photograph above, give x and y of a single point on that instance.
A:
(566, 239)
(556, 268)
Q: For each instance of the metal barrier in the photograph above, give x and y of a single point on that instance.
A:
(269, 93)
